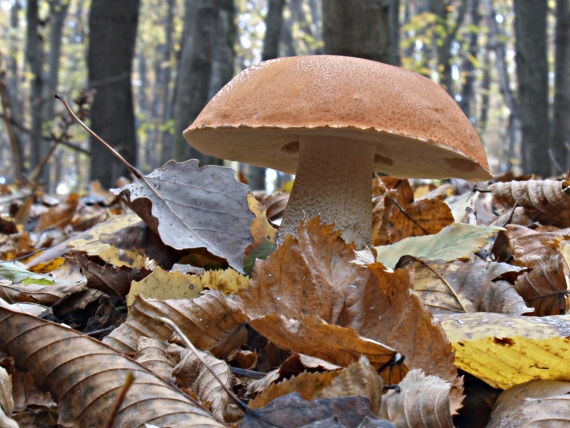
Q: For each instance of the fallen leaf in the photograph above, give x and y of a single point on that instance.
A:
(263, 235)
(420, 218)
(164, 285)
(190, 373)
(291, 411)
(457, 241)
(467, 287)
(545, 201)
(191, 207)
(207, 321)
(543, 403)
(504, 350)
(151, 353)
(423, 401)
(86, 376)
(59, 215)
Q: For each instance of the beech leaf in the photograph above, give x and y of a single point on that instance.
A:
(191, 207)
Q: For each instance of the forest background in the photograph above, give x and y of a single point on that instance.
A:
(145, 68)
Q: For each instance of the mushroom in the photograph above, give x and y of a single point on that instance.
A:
(332, 121)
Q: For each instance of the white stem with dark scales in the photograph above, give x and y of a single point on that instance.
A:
(333, 180)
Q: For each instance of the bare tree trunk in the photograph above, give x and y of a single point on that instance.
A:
(287, 37)
(224, 52)
(467, 92)
(496, 42)
(532, 73)
(359, 28)
(449, 30)
(561, 107)
(394, 9)
(485, 89)
(296, 9)
(58, 13)
(315, 6)
(112, 34)
(34, 56)
(164, 78)
(195, 70)
(273, 28)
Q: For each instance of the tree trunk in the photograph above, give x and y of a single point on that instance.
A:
(532, 73)
(58, 12)
(359, 28)
(561, 107)
(34, 56)
(164, 78)
(195, 70)
(287, 37)
(273, 28)
(224, 52)
(394, 9)
(112, 34)
(496, 42)
(468, 67)
(485, 89)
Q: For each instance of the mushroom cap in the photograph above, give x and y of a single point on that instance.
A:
(419, 130)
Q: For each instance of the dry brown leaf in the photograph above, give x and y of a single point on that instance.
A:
(112, 280)
(545, 288)
(191, 207)
(151, 353)
(86, 377)
(538, 403)
(275, 205)
(545, 201)
(59, 215)
(33, 293)
(27, 394)
(421, 218)
(263, 235)
(6, 397)
(389, 194)
(467, 287)
(313, 274)
(207, 321)
(359, 378)
(423, 401)
(192, 374)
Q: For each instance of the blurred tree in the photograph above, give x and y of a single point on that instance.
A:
(194, 73)
(561, 108)
(359, 28)
(112, 35)
(273, 28)
(35, 60)
(467, 99)
(532, 74)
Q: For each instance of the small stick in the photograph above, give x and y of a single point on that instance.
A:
(190, 346)
(112, 418)
(131, 168)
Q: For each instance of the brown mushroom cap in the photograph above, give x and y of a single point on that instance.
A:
(419, 130)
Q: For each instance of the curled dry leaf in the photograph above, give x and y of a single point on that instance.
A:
(207, 321)
(536, 403)
(59, 215)
(192, 374)
(545, 201)
(85, 377)
(191, 207)
(423, 401)
(6, 398)
(472, 286)
(504, 350)
(359, 378)
(151, 353)
(263, 235)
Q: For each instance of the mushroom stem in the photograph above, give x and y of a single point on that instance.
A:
(334, 180)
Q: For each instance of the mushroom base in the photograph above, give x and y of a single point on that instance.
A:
(333, 180)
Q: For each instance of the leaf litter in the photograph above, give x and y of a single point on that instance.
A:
(438, 290)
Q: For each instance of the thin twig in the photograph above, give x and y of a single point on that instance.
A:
(190, 346)
(131, 168)
(112, 418)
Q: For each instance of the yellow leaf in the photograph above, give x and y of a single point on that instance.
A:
(505, 350)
